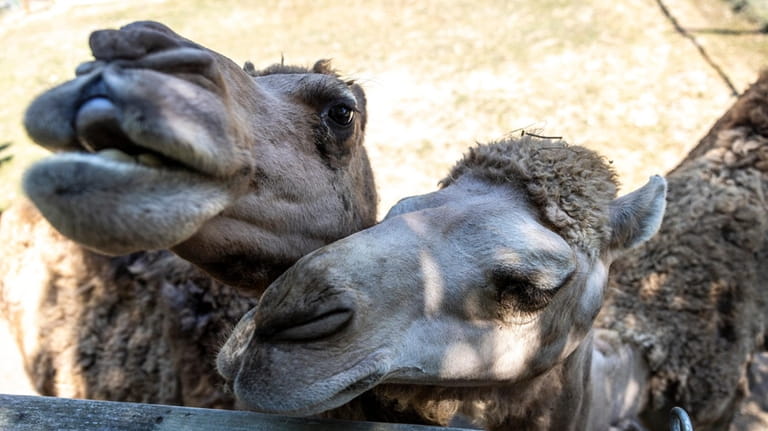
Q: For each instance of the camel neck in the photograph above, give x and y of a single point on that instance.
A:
(619, 381)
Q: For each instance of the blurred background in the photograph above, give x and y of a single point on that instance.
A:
(640, 81)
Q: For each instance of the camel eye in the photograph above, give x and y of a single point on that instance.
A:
(519, 291)
(341, 114)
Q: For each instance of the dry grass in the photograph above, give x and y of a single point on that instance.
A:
(610, 75)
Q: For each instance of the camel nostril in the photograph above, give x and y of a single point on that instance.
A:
(310, 329)
(88, 67)
(97, 126)
(95, 110)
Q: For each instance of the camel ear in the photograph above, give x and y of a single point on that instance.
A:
(635, 217)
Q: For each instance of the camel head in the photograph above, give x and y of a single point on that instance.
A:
(162, 143)
(494, 279)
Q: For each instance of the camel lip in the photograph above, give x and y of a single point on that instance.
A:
(368, 380)
(111, 206)
(107, 114)
(336, 400)
(95, 88)
(361, 385)
(114, 159)
(86, 171)
(341, 397)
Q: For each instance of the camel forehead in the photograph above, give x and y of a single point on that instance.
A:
(481, 221)
(473, 205)
(474, 223)
(570, 186)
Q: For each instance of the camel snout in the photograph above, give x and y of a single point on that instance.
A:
(133, 41)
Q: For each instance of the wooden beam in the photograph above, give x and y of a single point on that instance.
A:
(22, 413)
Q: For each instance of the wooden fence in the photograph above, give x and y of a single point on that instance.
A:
(22, 413)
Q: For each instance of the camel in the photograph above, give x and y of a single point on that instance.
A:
(683, 322)
(159, 144)
(476, 299)
(167, 144)
(692, 299)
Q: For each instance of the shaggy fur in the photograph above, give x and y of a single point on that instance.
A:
(571, 187)
(487, 406)
(143, 327)
(691, 297)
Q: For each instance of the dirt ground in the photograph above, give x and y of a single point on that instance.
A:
(440, 76)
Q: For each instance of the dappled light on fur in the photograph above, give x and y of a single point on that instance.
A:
(434, 287)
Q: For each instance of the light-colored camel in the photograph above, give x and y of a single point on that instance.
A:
(164, 143)
(476, 299)
(684, 315)
(170, 145)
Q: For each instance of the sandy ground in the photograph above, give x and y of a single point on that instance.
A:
(614, 76)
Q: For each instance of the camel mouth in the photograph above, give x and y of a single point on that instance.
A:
(143, 159)
(99, 132)
(337, 399)
(341, 397)
(135, 115)
(360, 386)
(317, 397)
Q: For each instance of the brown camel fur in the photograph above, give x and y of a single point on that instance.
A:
(693, 298)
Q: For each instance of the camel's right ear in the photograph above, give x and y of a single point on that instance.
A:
(635, 217)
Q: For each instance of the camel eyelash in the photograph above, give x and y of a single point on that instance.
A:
(523, 291)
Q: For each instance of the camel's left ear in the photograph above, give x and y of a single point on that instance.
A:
(635, 217)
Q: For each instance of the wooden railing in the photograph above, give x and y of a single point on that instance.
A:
(32, 413)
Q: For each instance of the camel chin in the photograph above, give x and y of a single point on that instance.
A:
(115, 203)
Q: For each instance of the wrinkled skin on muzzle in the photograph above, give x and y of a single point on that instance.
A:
(131, 122)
